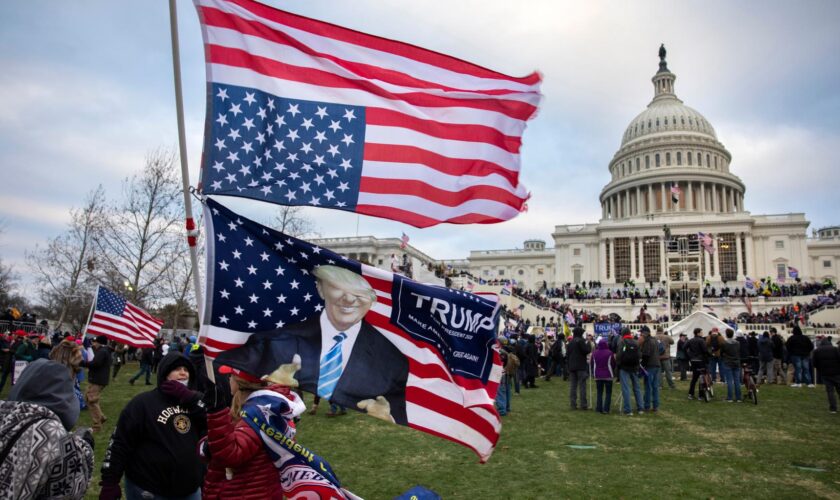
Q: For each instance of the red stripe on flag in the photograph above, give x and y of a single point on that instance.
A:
(452, 410)
(421, 221)
(403, 49)
(217, 54)
(440, 196)
(451, 166)
(221, 19)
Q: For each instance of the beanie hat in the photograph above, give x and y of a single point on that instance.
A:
(101, 339)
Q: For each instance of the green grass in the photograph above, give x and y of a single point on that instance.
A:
(689, 450)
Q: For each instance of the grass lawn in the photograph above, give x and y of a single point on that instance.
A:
(688, 450)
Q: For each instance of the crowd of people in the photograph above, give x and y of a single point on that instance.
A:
(644, 358)
(186, 438)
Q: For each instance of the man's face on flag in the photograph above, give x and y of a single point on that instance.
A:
(346, 301)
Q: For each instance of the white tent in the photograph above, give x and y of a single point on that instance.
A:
(698, 319)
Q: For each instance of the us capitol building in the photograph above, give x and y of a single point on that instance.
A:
(670, 179)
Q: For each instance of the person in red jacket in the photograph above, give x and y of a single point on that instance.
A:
(239, 465)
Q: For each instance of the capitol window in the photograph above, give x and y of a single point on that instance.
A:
(637, 165)
(780, 244)
(826, 263)
(708, 163)
(521, 272)
(687, 157)
(781, 272)
(699, 160)
(668, 159)
(501, 272)
(679, 158)
(576, 252)
(647, 161)
(656, 159)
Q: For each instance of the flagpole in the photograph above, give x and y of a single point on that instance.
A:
(182, 146)
(92, 306)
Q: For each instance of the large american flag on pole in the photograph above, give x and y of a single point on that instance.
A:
(259, 280)
(122, 321)
(303, 112)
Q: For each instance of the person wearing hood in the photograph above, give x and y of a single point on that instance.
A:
(826, 359)
(578, 368)
(41, 457)
(154, 444)
(602, 365)
(799, 349)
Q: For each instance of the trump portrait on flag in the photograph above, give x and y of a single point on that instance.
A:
(343, 358)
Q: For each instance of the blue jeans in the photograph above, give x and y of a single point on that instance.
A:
(602, 402)
(628, 377)
(732, 377)
(144, 368)
(503, 395)
(652, 383)
(801, 369)
(134, 492)
(714, 363)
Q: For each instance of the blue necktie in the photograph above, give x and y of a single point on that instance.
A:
(330, 370)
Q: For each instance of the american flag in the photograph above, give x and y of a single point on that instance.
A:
(707, 242)
(122, 321)
(675, 192)
(793, 272)
(259, 279)
(404, 241)
(302, 112)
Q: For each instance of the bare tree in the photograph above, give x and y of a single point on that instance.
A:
(63, 268)
(293, 221)
(142, 238)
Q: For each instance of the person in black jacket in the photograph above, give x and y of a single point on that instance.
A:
(576, 353)
(799, 349)
(99, 373)
(154, 444)
(826, 360)
(698, 355)
(146, 356)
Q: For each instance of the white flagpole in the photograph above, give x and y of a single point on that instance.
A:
(90, 314)
(192, 233)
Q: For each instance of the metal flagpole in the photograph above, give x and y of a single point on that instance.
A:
(192, 233)
(182, 146)
(90, 314)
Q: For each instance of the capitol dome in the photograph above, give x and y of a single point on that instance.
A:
(670, 160)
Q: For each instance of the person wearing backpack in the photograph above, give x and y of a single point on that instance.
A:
(698, 354)
(627, 358)
(664, 343)
(649, 347)
(713, 344)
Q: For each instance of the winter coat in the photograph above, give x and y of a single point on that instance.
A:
(649, 352)
(667, 341)
(156, 440)
(765, 349)
(238, 447)
(778, 347)
(697, 350)
(827, 360)
(799, 345)
(730, 353)
(602, 362)
(99, 368)
(45, 460)
(576, 353)
(530, 360)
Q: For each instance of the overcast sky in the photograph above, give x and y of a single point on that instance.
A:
(87, 90)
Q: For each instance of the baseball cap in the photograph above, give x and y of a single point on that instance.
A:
(227, 370)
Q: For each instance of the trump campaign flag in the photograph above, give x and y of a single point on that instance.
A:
(424, 356)
(793, 272)
(122, 321)
(303, 112)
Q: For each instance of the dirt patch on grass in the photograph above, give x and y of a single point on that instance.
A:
(812, 486)
(717, 434)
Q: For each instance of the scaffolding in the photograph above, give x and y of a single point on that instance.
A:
(683, 260)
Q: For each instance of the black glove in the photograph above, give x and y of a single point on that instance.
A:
(216, 397)
(109, 491)
(180, 392)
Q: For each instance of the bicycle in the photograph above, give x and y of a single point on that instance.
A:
(750, 383)
(707, 391)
